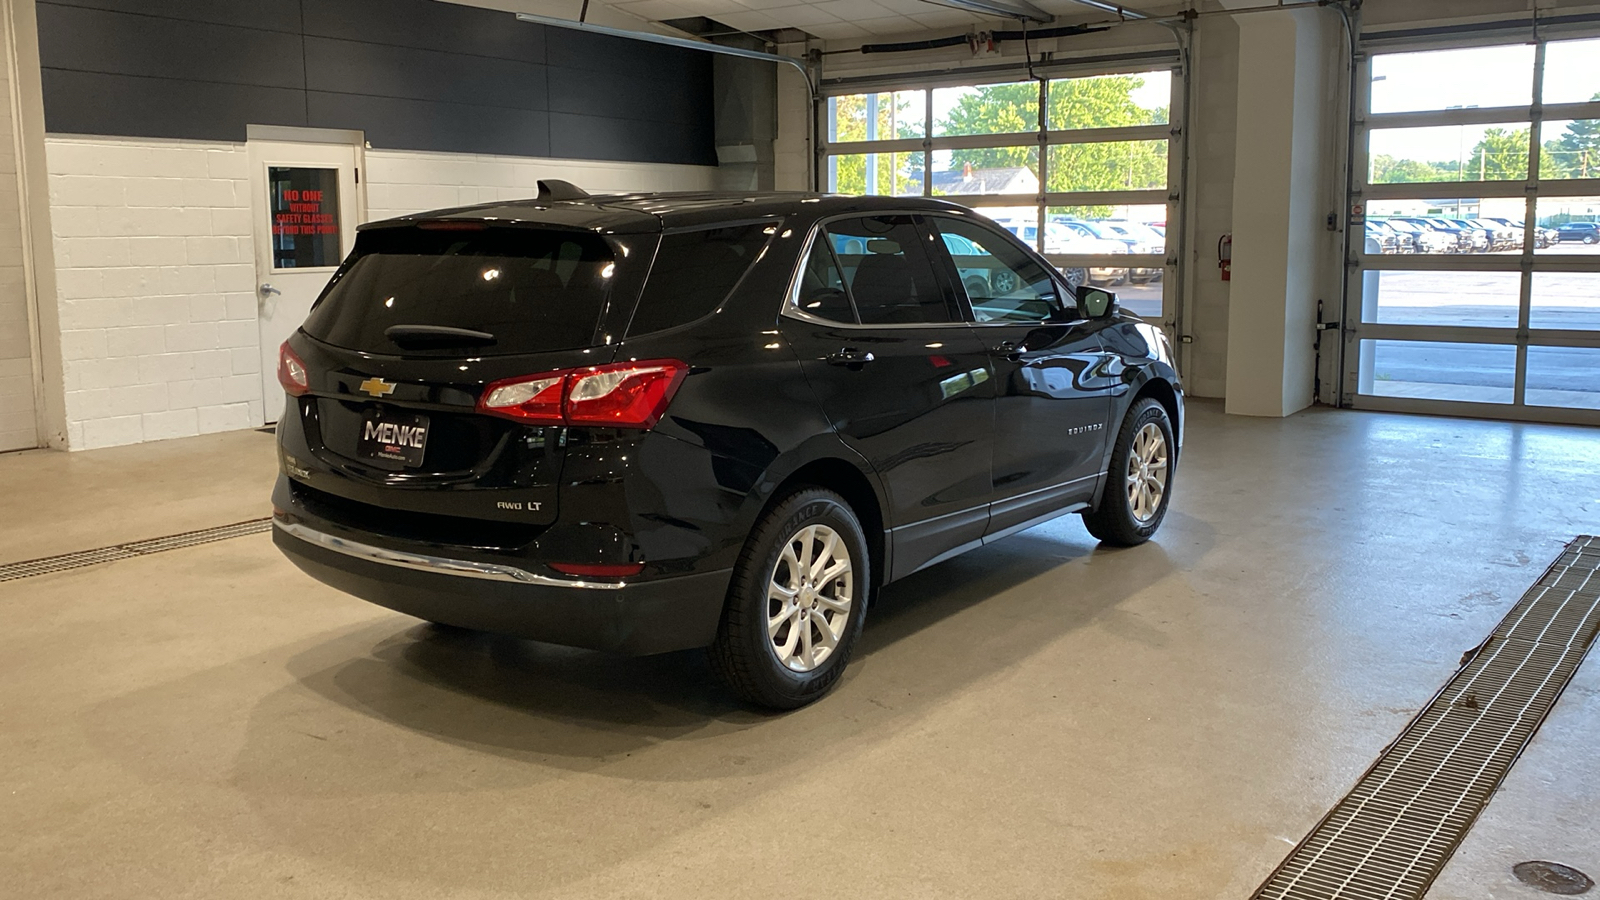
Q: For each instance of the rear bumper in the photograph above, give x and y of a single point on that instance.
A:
(635, 618)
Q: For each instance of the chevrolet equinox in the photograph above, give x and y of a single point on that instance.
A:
(652, 422)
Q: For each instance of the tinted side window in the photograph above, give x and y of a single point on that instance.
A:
(822, 292)
(1003, 283)
(889, 272)
(693, 273)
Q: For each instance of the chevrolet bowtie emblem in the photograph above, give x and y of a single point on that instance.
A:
(377, 387)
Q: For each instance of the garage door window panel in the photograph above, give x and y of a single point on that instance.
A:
(1451, 299)
(1449, 153)
(1437, 370)
(1466, 77)
(1570, 226)
(877, 174)
(1568, 301)
(1571, 74)
(986, 109)
(1108, 166)
(1563, 377)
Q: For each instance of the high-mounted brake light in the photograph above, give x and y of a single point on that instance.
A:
(292, 372)
(619, 395)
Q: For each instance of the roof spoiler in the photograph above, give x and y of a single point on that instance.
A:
(555, 191)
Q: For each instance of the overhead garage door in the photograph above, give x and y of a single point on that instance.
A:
(1477, 288)
(1077, 163)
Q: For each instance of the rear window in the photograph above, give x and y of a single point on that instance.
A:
(694, 272)
(532, 290)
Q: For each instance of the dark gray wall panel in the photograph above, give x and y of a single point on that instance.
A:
(423, 125)
(622, 96)
(93, 40)
(593, 137)
(350, 67)
(266, 15)
(577, 50)
(427, 25)
(157, 107)
(411, 74)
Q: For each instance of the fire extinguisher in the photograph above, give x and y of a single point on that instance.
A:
(1225, 256)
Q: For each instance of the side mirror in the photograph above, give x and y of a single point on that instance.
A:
(1094, 303)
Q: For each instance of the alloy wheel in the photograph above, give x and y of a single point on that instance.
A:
(809, 596)
(1147, 472)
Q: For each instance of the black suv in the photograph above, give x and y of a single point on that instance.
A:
(652, 422)
(1579, 232)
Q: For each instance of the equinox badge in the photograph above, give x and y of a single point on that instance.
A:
(377, 387)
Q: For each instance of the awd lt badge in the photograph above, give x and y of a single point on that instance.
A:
(377, 387)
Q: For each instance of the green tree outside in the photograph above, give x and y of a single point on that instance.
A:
(899, 115)
(1103, 102)
(1576, 153)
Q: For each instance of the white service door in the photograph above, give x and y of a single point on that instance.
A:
(306, 207)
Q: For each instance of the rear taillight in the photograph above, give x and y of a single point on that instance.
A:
(620, 395)
(292, 372)
(535, 400)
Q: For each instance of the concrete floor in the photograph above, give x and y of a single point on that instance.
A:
(1037, 718)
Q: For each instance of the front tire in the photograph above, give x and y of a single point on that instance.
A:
(796, 603)
(1139, 482)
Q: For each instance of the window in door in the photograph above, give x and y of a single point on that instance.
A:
(1002, 283)
(822, 292)
(889, 272)
(306, 230)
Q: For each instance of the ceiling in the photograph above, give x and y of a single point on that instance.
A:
(837, 20)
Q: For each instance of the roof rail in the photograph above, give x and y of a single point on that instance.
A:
(554, 190)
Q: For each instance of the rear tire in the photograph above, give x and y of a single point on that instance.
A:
(796, 602)
(1139, 481)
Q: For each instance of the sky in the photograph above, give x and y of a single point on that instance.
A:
(1474, 76)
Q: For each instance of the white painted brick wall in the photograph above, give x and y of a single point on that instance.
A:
(154, 274)
(155, 271)
(402, 181)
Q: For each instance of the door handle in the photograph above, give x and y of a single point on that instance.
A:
(267, 290)
(1012, 350)
(850, 356)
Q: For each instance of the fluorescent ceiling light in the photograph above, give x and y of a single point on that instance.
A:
(1021, 10)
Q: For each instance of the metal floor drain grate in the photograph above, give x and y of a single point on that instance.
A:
(1394, 831)
(48, 564)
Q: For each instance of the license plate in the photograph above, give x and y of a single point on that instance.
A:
(393, 439)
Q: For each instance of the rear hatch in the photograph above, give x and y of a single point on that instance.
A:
(406, 341)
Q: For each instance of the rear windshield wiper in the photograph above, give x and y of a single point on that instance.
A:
(437, 336)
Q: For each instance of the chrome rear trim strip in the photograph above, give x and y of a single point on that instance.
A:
(438, 565)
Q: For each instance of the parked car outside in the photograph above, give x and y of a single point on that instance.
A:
(1061, 241)
(653, 422)
(1578, 232)
(1100, 232)
(1482, 238)
(1148, 240)
(1511, 233)
(1424, 238)
(1461, 241)
(1381, 240)
(1501, 236)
